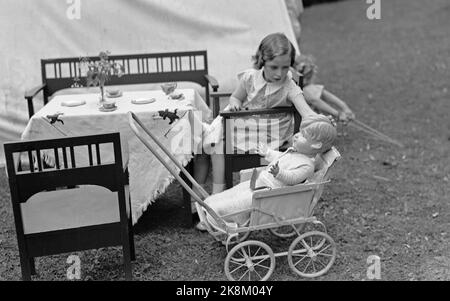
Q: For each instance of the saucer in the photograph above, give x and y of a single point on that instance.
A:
(103, 109)
(73, 103)
(113, 95)
(141, 101)
(179, 96)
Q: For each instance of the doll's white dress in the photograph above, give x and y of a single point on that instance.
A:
(295, 168)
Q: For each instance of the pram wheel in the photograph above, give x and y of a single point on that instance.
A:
(286, 231)
(312, 254)
(237, 239)
(249, 261)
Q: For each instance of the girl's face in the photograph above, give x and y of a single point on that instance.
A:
(276, 70)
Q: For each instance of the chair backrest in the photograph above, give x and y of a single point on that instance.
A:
(67, 170)
(231, 132)
(190, 66)
(296, 77)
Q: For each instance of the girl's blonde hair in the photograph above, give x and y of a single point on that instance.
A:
(305, 64)
(271, 46)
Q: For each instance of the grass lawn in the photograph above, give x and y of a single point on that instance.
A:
(384, 200)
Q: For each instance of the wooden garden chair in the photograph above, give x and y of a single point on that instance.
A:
(73, 205)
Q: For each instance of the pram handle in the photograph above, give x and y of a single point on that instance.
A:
(131, 118)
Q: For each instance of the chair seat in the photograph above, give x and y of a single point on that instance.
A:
(85, 205)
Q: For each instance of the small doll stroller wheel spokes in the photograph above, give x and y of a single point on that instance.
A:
(287, 231)
(242, 236)
(249, 261)
(312, 254)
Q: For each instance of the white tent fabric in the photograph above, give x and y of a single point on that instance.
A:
(230, 30)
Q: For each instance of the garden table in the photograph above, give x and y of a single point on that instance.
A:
(147, 176)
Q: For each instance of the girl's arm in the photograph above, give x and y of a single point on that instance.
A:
(302, 107)
(322, 106)
(238, 97)
(345, 112)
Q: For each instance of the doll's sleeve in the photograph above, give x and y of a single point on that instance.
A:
(272, 155)
(295, 176)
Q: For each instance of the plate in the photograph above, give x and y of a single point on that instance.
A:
(73, 103)
(141, 101)
(103, 109)
(114, 95)
(177, 96)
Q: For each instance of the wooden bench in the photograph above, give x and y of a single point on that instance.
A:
(189, 66)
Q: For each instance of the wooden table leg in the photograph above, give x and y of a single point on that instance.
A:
(188, 221)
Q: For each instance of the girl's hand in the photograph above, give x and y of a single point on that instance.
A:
(350, 114)
(333, 119)
(261, 149)
(346, 116)
(235, 105)
(274, 169)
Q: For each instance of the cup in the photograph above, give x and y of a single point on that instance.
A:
(169, 88)
(113, 92)
(108, 104)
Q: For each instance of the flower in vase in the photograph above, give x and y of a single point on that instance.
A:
(98, 72)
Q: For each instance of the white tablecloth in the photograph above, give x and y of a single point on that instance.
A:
(148, 177)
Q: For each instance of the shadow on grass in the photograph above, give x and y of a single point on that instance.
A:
(166, 212)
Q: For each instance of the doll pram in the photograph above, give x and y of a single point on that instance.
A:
(311, 254)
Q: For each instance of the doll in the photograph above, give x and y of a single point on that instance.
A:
(291, 167)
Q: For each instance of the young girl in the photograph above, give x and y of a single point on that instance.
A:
(269, 84)
(316, 95)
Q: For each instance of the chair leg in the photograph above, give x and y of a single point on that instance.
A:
(32, 266)
(228, 172)
(130, 231)
(25, 267)
(126, 249)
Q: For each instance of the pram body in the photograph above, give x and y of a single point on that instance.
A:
(284, 211)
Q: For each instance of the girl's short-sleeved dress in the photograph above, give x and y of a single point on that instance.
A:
(273, 130)
(312, 91)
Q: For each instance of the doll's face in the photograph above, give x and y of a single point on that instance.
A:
(276, 70)
(303, 144)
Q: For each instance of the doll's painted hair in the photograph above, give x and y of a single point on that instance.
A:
(306, 65)
(319, 129)
(271, 46)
